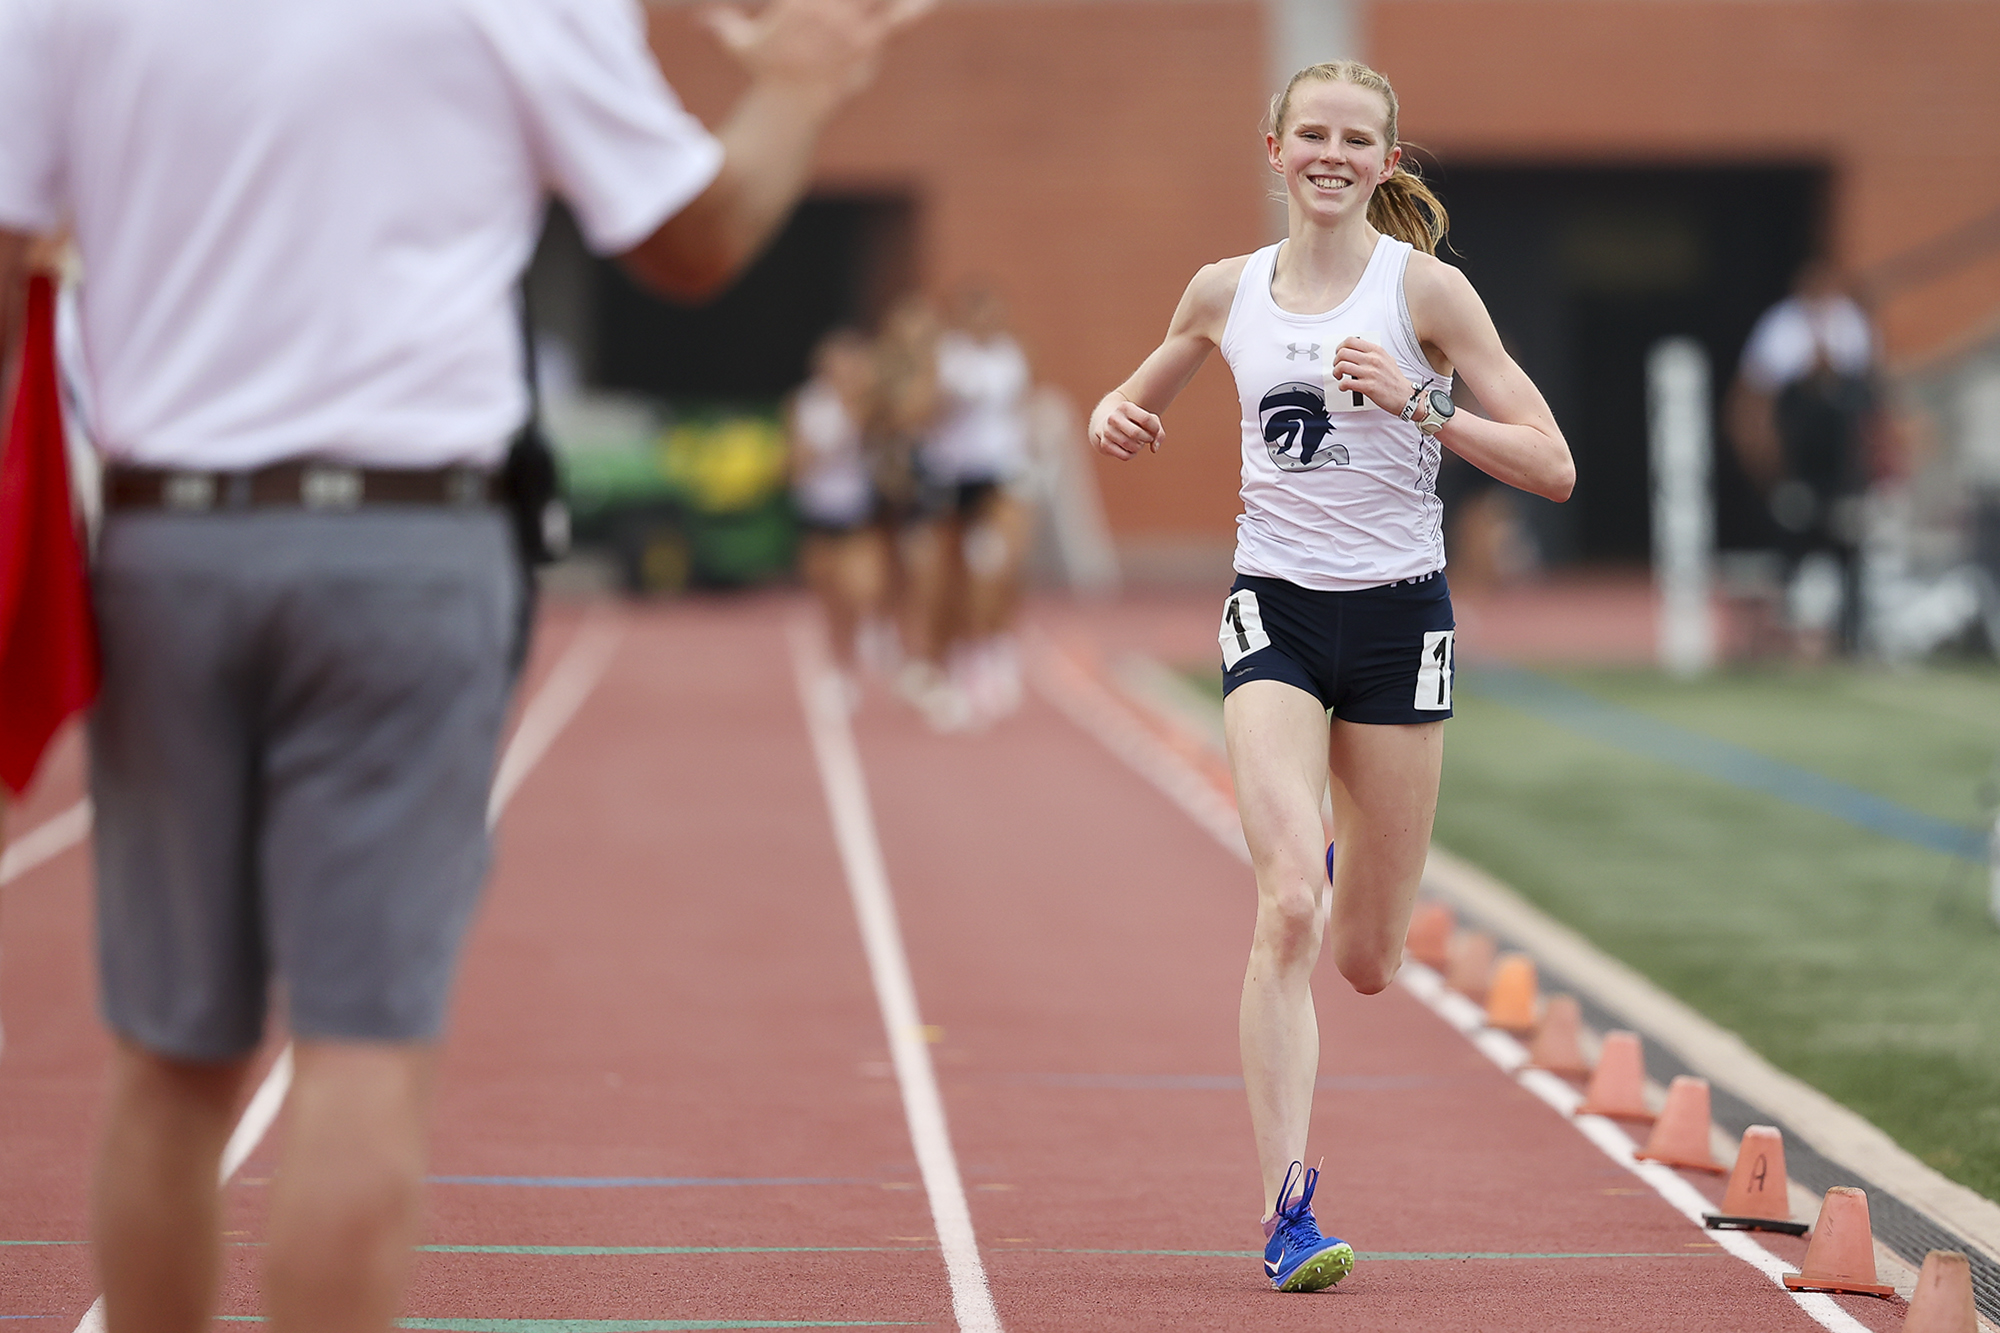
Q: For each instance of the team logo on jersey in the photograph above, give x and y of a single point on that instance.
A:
(1297, 433)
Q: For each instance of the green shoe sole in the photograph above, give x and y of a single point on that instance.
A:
(1322, 1270)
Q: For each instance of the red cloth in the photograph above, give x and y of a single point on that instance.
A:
(48, 641)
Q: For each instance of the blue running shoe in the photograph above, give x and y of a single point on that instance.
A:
(1296, 1256)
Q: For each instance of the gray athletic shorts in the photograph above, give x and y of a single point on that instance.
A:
(290, 759)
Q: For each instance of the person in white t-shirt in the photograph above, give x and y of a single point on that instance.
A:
(301, 231)
(973, 455)
(1343, 340)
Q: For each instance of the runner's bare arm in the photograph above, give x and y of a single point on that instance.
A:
(1518, 442)
(1127, 420)
(805, 59)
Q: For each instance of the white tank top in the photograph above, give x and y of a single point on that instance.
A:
(829, 475)
(1342, 495)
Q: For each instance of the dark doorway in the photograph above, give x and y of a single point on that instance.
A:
(1585, 268)
(839, 260)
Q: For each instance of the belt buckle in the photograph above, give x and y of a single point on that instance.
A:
(188, 492)
(330, 486)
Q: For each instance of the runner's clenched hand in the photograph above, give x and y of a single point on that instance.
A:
(1363, 365)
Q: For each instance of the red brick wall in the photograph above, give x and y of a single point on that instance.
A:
(1899, 97)
(1086, 159)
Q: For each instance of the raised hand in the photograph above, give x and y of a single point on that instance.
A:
(828, 46)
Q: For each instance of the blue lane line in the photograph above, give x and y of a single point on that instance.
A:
(639, 1182)
(1627, 729)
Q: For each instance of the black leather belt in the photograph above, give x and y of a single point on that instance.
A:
(305, 485)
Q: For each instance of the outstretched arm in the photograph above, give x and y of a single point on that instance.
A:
(805, 59)
(1126, 420)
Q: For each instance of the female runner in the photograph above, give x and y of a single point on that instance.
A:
(1343, 340)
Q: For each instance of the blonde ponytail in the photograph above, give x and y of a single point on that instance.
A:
(1402, 206)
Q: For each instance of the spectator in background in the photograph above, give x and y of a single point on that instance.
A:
(973, 458)
(1803, 415)
(302, 229)
(843, 553)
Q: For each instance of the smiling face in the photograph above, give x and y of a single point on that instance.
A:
(1333, 148)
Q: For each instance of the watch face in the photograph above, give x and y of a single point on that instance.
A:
(1441, 405)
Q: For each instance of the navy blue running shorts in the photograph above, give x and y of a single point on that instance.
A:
(1379, 655)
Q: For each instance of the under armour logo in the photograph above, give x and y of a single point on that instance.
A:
(1293, 352)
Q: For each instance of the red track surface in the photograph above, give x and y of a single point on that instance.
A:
(667, 984)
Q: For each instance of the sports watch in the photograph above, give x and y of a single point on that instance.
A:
(1429, 409)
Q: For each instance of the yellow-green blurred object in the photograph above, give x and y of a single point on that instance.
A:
(724, 466)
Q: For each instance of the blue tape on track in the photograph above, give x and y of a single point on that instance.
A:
(1625, 729)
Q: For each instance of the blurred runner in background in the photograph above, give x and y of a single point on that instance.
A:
(844, 552)
(302, 229)
(908, 402)
(1804, 418)
(972, 460)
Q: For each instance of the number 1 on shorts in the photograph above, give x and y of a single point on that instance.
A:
(1435, 668)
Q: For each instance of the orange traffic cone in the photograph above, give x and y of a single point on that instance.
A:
(1558, 1046)
(1758, 1197)
(1429, 940)
(1680, 1135)
(1618, 1088)
(1471, 969)
(1942, 1302)
(1513, 998)
(1841, 1255)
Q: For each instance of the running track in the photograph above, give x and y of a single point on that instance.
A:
(668, 1099)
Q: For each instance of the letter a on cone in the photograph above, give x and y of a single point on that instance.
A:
(48, 643)
(1841, 1254)
(1942, 1302)
(1680, 1135)
(1618, 1088)
(1759, 1195)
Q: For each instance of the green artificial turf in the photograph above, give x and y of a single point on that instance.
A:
(1862, 963)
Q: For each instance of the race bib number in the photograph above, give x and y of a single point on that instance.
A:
(1435, 670)
(1339, 399)
(1242, 630)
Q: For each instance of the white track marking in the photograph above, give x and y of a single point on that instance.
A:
(562, 694)
(257, 1116)
(1105, 716)
(45, 841)
(568, 685)
(1078, 696)
(847, 802)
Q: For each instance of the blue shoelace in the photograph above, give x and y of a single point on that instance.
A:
(1295, 1219)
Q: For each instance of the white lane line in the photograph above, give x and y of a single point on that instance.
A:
(45, 841)
(847, 802)
(561, 695)
(574, 676)
(1105, 716)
